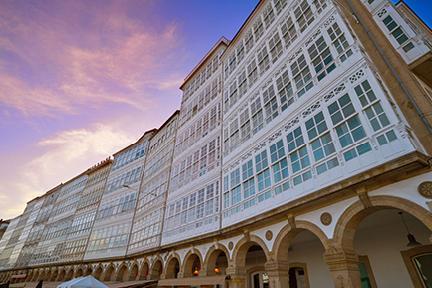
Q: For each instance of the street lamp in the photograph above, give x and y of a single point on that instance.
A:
(412, 241)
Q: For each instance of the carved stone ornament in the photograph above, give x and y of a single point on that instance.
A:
(269, 235)
(326, 218)
(425, 189)
(230, 245)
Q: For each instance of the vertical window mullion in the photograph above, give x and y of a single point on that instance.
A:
(361, 114)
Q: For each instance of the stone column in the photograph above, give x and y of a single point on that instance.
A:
(344, 267)
(278, 273)
(236, 276)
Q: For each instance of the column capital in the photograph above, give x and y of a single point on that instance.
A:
(233, 270)
(274, 265)
(236, 276)
(340, 259)
(344, 267)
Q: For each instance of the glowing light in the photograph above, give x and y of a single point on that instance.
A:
(196, 271)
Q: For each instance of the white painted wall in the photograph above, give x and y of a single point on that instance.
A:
(311, 253)
(382, 244)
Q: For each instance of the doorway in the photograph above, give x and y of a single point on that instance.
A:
(260, 279)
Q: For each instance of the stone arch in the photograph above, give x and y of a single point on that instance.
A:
(348, 222)
(28, 278)
(242, 247)
(156, 269)
(35, 275)
(109, 273)
(79, 272)
(122, 272)
(69, 273)
(6, 276)
(284, 237)
(193, 261)
(134, 269)
(54, 275)
(144, 270)
(61, 274)
(172, 267)
(98, 271)
(212, 256)
(47, 275)
(88, 271)
(41, 275)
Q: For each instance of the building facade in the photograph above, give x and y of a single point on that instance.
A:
(300, 157)
(193, 206)
(150, 210)
(113, 222)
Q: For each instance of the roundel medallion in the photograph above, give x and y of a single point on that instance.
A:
(425, 189)
(230, 245)
(326, 218)
(269, 235)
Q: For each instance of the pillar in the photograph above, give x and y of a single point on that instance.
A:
(278, 273)
(344, 267)
(236, 276)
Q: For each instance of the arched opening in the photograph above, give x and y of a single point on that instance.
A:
(144, 271)
(41, 276)
(35, 276)
(251, 256)
(300, 251)
(254, 264)
(28, 278)
(61, 275)
(69, 274)
(54, 275)
(217, 262)
(47, 276)
(156, 270)
(122, 274)
(109, 273)
(134, 272)
(79, 273)
(88, 271)
(98, 272)
(192, 265)
(381, 236)
(173, 268)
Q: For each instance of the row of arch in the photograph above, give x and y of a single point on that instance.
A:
(219, 260)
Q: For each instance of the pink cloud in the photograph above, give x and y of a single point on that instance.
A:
(126, 68)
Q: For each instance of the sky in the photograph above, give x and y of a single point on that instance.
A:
(79, 80)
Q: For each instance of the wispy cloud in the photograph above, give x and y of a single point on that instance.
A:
(62, 157)
(47, 67)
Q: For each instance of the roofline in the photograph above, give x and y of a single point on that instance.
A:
(130, 145)
(176, 112)
(49, 192)
(99, 165)
(221, 41)
(402, 2)
(245, 23)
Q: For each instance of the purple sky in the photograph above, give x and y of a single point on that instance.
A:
(81, 79)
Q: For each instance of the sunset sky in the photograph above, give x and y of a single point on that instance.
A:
(81, 79)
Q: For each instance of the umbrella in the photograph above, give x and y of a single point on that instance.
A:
(83, 282)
